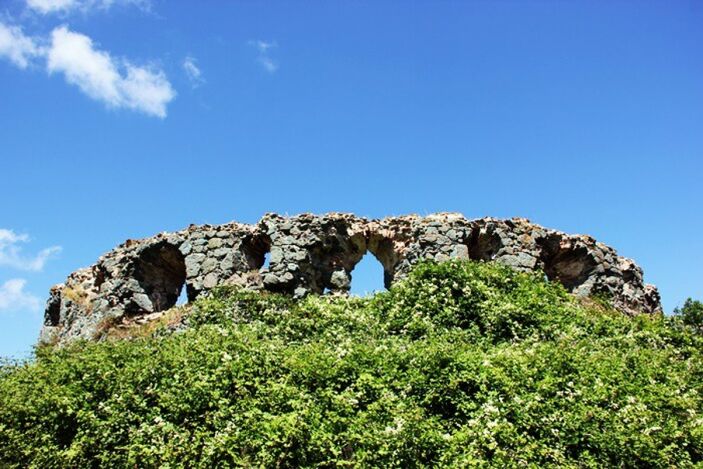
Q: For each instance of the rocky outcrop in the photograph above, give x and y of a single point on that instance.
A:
(316, 254)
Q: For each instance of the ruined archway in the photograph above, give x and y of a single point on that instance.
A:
(333, 256)
(385, 251)
(566, 261)
(368, 276)
(256, 250)
(255, 254)
(160, 272)
(311, 254)
(484, 243)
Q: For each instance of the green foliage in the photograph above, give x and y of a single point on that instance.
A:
(691, 313)
(461, 365)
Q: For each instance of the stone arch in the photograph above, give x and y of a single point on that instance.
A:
(255, 249)
(384, 250)
(367, 267)
(160, 272)
(484, 243)
(256, 254)
(566, 261)
(332, 258)
(333, 262)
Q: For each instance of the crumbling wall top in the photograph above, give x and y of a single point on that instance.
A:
(316, 254)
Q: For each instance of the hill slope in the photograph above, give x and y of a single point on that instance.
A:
(460, 364)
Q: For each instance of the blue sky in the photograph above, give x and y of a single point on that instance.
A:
(123, 118)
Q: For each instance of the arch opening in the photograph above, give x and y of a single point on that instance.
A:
(368, 276)
(383, 249)
(161, 273)
(182, 297)
(564, 263)
(570, 267)
(265, 264)
(257, 251)
(484, 244)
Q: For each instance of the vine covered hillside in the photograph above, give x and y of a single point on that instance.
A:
(461, 364)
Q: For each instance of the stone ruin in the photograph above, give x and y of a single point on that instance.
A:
(316, 254)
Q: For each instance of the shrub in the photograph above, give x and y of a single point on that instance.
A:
(691, 313)
(462, 364)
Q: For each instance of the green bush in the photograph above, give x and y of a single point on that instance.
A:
(691, 313)
(460, 365)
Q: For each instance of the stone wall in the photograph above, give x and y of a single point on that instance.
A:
(316, 254)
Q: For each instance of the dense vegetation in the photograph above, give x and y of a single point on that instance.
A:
(462, 364)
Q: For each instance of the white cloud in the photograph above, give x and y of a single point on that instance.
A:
(17, 47)
(268, 64)
(263, 46)
(98, 75)
(65, 6)
(49, 6)
(194, 74)
(264, 59)
(13, 297)
(116, 82)
(11, 252)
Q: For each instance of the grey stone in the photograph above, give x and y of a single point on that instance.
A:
(186, 248)
(214, 243)
(460, 251)
(209, 265)
(193, 263)
(222, 252)
(271, 279)
(340, 280)
(227, 263)
(211, 280)
(143, 301)
(276, 255)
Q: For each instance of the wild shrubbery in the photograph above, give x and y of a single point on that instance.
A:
(463, 364)
(691, 313)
